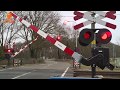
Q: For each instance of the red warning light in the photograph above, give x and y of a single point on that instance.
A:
(9, 50)
(87, 35)
(106, 35)
(58, 38)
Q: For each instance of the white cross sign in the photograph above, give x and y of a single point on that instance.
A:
(98, 19)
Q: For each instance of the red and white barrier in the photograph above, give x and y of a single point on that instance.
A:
(55, 42)
(16, 53)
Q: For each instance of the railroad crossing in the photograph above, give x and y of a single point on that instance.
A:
(97, 58)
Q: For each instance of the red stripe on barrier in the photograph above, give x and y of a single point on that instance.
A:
(15, 16)
(68, 51)
(34, 28)
(50, 39)
(20, 19)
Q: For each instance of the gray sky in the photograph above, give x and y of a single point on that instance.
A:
(68, 15)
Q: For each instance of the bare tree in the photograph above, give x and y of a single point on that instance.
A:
(46, 21)
(7, 32)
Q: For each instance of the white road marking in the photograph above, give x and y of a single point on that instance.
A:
(21, 75)
(49, 65)
(65, 72)
(30, 72)
(3, 70)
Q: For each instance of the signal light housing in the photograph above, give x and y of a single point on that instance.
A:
(86, 36)
(103, 36)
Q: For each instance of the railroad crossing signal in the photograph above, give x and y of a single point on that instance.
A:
(78, 57)
(9, 51)
(98, 19)
(86, 36)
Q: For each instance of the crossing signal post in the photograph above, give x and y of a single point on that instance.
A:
(8, 54)
(96, 37)
(100, 56)
(102, 36)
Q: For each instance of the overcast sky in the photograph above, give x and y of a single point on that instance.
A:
(68, 15)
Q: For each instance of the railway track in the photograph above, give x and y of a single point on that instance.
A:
(104, 74)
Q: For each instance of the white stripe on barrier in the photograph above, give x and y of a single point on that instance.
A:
(16, 53)
(21, 50)
(77, 56)
(26, 23)
(30, 42)
(17, 18)
(43, 34)
(26, 46)
(60, 45)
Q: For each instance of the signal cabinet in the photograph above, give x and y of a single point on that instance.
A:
(105, 53)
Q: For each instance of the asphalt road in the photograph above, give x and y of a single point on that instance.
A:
(47, 70)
